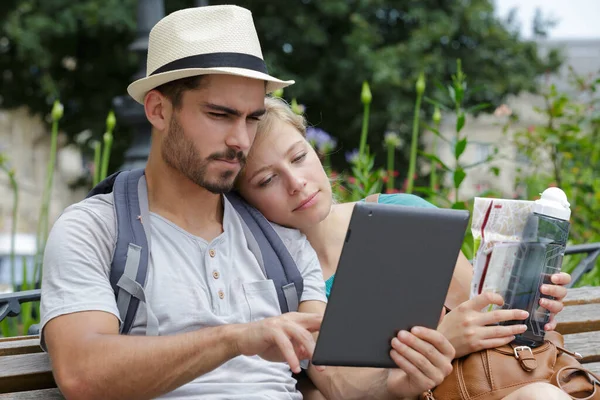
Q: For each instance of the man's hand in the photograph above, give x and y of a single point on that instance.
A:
(466, 326)
(283, 338)
(558, 291)
(424, 358)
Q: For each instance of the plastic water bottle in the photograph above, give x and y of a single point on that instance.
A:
(539, 256)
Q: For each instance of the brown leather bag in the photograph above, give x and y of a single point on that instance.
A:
(495, 373)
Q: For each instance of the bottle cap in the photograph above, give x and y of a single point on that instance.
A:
(553, 203)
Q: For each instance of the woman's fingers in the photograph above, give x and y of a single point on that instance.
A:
(423, 356)
(553, 306)
(562, 278)
(436, 339)
(496, 342)
(483, 300)
(411, 370)
(558, 292)
(551, 325)
(500, 331)
(496, 316)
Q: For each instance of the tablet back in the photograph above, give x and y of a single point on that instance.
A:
(393, 274)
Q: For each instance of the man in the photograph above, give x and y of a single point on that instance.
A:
(222, 334)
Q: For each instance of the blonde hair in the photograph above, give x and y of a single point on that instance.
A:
(278, 109)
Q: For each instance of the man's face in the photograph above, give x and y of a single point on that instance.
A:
(210, 135)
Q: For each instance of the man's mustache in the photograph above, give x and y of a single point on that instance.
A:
(229, 155)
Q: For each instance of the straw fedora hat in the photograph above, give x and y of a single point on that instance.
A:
(200, 41)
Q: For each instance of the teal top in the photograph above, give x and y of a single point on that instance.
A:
(400, 199)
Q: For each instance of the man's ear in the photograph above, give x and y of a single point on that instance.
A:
(158, 109)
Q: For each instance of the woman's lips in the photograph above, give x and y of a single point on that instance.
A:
(309, 201)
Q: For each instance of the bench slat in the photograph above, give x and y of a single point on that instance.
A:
(25, 372)
(579, 318)
(14, 347)
(594, 367)
(46, 394)
(585, 295)
(14, 338)
(587, 344)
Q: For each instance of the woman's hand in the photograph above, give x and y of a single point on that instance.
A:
(558, 291)
(466, 326)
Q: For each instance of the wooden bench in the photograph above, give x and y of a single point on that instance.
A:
(25, 371)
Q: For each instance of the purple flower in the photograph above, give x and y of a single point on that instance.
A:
(320, 139)
(352, 156)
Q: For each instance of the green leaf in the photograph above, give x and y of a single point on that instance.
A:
(441, 198)
(460, 121)
(478, 107)
(460, 92)
(452, 94)
(495, 171)
(460, 147)
(436, 103)
(459, 177)
(437, 133)
(5, 327)
(435, 158)
(459, 205)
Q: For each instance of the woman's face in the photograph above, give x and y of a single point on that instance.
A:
(285, 180)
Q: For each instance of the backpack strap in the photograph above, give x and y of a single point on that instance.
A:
(129, 266)
(271, 253)
(105, 186)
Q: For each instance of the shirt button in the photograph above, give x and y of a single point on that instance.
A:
(221, 295)
(216, 274)
(212, 252)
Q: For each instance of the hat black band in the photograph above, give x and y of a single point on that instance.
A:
(215, 60)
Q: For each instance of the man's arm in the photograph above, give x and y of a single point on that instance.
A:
(372, 383)
(91, 360)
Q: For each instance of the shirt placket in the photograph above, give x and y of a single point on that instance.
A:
(216, 281)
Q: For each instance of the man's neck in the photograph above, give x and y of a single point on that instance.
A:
(176, 198)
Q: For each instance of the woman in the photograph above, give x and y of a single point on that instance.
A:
(285, 180)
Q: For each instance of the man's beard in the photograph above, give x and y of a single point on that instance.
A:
(179, 153)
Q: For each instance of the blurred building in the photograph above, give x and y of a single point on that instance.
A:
(25, 142)
(486, 131)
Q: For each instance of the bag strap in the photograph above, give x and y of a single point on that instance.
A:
(129, 267)
(271, 253)
(594, 380)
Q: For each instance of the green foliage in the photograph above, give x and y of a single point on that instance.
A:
(30, 310)
(79, 51)
(43, 220)
(456, 95)
(74, 50)
(367, 179)
(565, 152)
(414, 144)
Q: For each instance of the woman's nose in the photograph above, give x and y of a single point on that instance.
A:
(296, 184)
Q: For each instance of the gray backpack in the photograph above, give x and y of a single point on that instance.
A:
(130, 261)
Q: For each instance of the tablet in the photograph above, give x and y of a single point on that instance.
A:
(393, 274)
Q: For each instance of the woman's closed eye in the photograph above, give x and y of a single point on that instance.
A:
(299, 158)
(266, 182)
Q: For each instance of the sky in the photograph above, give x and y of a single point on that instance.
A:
(577, 18)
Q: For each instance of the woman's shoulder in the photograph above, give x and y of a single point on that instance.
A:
(404, 199)
(295, 241)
